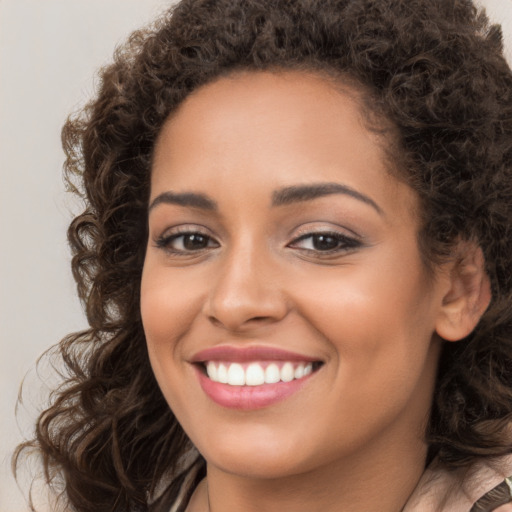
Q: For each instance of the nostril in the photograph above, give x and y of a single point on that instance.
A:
(239, 296)
(246, 322)
(214, 321)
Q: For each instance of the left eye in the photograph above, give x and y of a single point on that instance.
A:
(187, 242)
(325, 242)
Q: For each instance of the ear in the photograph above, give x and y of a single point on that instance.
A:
(468, 293)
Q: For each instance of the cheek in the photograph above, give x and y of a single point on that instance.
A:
(380, 333)
(366, 300)
(379, 321)
(167, 308)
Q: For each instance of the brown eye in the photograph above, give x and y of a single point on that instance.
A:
(325, 242)
(195, 241)
(186, 242)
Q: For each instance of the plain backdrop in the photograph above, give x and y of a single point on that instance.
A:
(49, 52)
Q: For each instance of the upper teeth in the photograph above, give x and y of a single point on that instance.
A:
(255, 374)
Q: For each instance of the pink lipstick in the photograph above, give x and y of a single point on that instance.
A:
(252, 377)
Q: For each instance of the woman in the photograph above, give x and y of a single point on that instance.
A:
(295, 262)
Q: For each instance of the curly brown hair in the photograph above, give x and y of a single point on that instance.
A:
(433, 68)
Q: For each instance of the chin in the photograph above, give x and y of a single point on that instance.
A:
(261, 467)
(257, 457)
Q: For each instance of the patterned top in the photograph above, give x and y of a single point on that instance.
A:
(483, 486)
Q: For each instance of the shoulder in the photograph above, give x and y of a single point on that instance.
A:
(479, 487)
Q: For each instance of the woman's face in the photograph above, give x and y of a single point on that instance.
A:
(283, 254)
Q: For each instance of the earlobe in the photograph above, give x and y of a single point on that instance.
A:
(468, 295)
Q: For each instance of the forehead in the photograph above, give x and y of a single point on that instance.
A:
(278, 129)
(235, 109)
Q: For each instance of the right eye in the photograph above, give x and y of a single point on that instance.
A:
(187, 242)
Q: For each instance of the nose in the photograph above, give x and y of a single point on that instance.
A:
(246, 292)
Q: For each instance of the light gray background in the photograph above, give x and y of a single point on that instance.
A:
(49, 51)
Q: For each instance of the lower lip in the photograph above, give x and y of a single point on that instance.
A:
(249, 397)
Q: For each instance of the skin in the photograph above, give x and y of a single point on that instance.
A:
(368, 309)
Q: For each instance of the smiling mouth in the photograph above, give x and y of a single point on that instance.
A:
(252, 377)
(258, 373)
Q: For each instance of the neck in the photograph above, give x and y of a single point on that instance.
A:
(376, 480)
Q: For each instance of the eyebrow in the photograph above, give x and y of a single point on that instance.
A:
(191, 199)
(282, 197)
(300, 193)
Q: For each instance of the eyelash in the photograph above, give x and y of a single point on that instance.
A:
(165, 241)
(342, 243)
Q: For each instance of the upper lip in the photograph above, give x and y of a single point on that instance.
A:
(246, 354)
